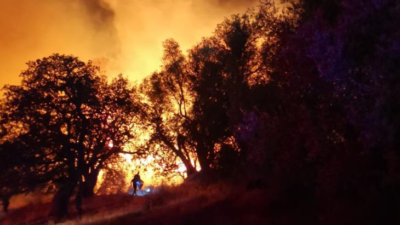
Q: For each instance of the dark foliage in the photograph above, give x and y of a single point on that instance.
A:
(59, 123)
(303, 103)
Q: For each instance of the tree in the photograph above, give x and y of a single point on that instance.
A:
(358, 55)
(72, 119)
(197, 101)
(167, 108)
(209, 125)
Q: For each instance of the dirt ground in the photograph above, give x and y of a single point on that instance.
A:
(98, 208)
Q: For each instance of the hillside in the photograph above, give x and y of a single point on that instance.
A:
(184, 204)
(98, 208)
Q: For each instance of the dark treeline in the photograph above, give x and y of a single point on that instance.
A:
(301, 100)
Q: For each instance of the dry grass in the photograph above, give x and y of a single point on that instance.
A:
(30, 214)
(167, 195)
(197, 204)
(104, 211)
(98, 208)
(184, 204)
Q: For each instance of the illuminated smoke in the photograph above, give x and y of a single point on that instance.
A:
(124, 36)
(102, 16)
(235, 3)
(101, 13)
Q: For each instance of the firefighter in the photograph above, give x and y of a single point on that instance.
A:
(136, 182)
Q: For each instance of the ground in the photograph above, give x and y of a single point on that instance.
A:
(97, 208)
(186, 204)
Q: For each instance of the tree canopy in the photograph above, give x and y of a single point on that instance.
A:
(69, 120)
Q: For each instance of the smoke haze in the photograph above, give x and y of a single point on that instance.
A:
(123, 36)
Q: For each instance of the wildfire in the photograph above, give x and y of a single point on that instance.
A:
(110, 144)
(147, 169)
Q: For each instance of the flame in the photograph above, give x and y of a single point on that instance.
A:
(111, 144)
(147, 169)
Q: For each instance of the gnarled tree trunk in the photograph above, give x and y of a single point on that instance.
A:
(190, 170)
(90, 183)
(59, 205)
(202, 155)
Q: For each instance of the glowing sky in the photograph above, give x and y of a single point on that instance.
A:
(124, 36)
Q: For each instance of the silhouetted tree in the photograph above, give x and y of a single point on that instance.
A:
(168, 107)
(209, 125)
(17, 170)
(202, 97)
(72, 119)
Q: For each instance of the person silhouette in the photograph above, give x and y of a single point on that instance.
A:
(136, 182)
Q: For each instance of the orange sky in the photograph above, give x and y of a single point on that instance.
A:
(125, 35)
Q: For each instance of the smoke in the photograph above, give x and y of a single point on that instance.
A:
(101, 16)
(124, 36)
(235, 3)
(101, 13)
(32, 29)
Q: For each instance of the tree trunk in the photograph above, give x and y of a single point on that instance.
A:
(59, 205)
(6, 203)
(202, 156)
(190, 170)
(90, 183)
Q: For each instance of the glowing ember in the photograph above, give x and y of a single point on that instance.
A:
(110, 144)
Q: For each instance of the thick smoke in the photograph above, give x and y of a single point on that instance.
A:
(235, 3)
(102, 18)
(100, 12)
(125, 36)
